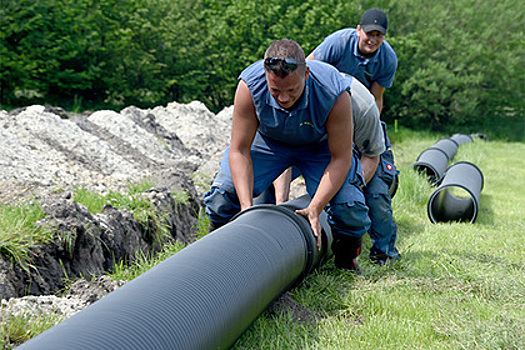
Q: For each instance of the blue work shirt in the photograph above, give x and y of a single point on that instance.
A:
(341, 50)
(306, 123)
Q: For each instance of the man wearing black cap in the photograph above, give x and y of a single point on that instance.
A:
(362, 53)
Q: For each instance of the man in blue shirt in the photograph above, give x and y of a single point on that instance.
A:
(364, 54)
(288, 112)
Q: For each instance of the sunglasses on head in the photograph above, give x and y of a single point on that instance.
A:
(285, 64)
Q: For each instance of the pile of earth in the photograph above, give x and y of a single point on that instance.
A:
(47, 153)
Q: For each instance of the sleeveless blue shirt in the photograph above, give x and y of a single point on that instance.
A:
(306, 123)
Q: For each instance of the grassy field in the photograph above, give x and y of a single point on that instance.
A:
(458, 285)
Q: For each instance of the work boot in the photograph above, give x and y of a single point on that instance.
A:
(346, 250)
(384, 259)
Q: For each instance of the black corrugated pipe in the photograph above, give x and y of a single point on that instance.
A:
(481, 136)
(432, 162)
(206, 295)
(457, 197)
(449, 146)
(461, 139)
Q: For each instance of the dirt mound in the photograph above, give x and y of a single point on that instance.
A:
(46, 153)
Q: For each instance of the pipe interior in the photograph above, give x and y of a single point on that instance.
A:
(452, 203)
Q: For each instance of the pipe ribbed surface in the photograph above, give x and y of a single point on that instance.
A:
(448, 146)
(203, 297)
(432, 162)
(457, 197)
(461, 139)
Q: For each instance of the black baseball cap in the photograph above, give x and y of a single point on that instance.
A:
(374, 19)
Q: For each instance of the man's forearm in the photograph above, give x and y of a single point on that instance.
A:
(282, 186)
(331, 182)
(369, 165)
(242, 174)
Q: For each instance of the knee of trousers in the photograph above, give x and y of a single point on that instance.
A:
(221, 205)
(349, 218)
(376, 186)
(379, 202)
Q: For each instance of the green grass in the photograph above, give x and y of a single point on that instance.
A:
(19, 234)
(17, 329)
(458, 285)
(143, 262)
(143, 209)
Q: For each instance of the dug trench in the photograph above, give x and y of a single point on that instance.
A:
(46, 154)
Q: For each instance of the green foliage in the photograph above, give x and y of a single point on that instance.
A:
(19, 232)
(460, 62)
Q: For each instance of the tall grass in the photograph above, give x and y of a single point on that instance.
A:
(19, 232)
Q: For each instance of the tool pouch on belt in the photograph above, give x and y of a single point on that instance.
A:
(386, 169)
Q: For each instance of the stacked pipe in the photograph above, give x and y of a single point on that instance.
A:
(459, 186)
(206, 295)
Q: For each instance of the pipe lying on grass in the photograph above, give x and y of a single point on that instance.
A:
(448, 146)
(206, 295)
(457, 196)
(432, 162)
(461, 139)
(480, 135)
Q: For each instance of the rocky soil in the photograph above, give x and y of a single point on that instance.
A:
(46, 153)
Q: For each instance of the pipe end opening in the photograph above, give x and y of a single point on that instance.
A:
(452, 203)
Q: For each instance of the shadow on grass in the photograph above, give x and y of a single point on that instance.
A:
(486, 215)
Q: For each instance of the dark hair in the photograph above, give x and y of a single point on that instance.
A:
(286, 48)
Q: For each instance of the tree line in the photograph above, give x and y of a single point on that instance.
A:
(460, 62)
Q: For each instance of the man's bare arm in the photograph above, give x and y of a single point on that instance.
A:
(369, 165)
(377, 90)
(244, 126)
(282, 186)
(340, 132)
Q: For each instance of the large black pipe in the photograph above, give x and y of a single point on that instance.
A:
(392, 190)
(458, 194)
(461, 139)
(206, 295)
(432, 162)
(448, 146)
(480, 135)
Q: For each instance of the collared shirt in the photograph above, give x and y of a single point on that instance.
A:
(341, 49)
(306, 123)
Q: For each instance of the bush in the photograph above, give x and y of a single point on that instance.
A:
(459, 61)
